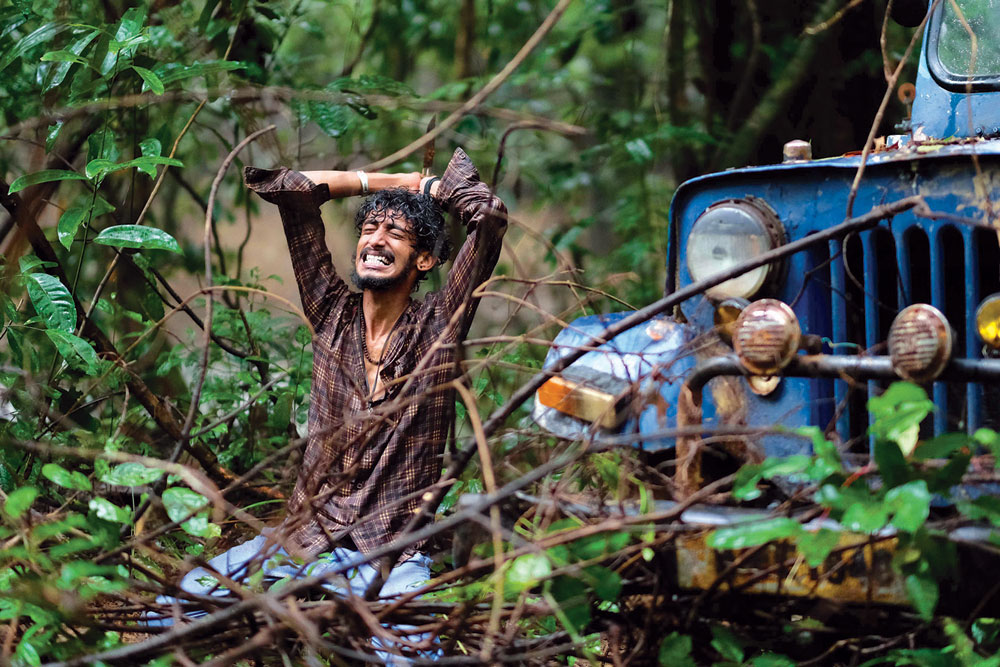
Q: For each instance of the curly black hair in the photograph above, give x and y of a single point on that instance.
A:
(421, 211)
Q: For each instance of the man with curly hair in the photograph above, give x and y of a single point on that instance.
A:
(384, 364)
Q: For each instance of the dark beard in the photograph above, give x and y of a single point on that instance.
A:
(381, 283)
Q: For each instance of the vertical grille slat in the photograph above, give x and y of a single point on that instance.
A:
(973, 392)
(940, 390)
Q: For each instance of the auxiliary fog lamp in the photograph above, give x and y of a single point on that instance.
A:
(920, 343)
(729, 233)
(766, 336)
(988, 321)
(587, 394)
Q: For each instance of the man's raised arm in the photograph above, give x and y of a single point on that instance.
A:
(485, 219)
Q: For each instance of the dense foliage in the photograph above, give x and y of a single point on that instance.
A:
(130, 436)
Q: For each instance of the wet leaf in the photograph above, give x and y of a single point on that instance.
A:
(75, 350)
(131, 474)
(65, 478)
(52, 301)
(139, 237)
(44, 176)
(107, 510)
(150, 79)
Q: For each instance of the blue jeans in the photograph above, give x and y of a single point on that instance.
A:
(276, 564)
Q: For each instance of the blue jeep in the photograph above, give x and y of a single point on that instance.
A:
(797, 291)
(908, 288)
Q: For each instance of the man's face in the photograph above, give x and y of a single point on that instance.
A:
(386, 256)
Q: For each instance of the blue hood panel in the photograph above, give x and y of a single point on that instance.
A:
(657, 356)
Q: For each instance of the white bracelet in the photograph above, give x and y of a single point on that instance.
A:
(363, 177)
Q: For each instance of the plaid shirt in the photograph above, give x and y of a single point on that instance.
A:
(366, 467)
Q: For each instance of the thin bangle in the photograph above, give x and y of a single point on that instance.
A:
(430, 182)
(363, 177)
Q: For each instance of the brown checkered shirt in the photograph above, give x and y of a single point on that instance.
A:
(365, 467)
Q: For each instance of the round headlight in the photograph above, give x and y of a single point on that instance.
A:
(920, 343)
(767, 336)
(729, 233)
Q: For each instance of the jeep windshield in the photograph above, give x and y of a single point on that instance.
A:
(965, 45)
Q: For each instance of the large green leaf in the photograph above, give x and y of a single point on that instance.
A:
(107, 510)
(745, 485)
(923, 592)
(675, 651)
(131, 474)
(180, 502)
(151, 80)
(60, 71)
(137, 236)
(911, 505)
(754, 533)
(52, 301)
(69, 222)
(22, 46)
(44, 176)
(20, 500)
(172, 72)
(66, 478)
(75, 350)
(526, 572)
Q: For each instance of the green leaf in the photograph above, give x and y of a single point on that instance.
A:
(727, 644)
(44, 176)
(892, 465)
(866, 516)
(19, 501)
(151, 80)
(816, 546)
(69, 223)
(180, 502)
(60, 71)
(172, 72)
(910, 504)
(107, 510)
(151, 146)
(898, 413)
(131, 474)
(22, 46)
(70, 480)
(606, 584)
(29, 262)
(52, 301)
(200, 526)
(596, 546)
(754, 533)
(63, 57)
(526, 572)
(941, 447)
(75, 350)
(923, 592)
(675, 651)
(745, 486)
(639, 151)
(571, 595)
(137, 236)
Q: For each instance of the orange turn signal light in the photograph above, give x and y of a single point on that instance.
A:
(583, 401)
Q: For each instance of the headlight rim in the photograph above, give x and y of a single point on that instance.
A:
(762, 213)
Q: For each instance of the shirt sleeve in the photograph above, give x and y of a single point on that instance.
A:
(298, 200)
(485, 220)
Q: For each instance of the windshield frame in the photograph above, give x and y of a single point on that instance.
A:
(959, 83)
